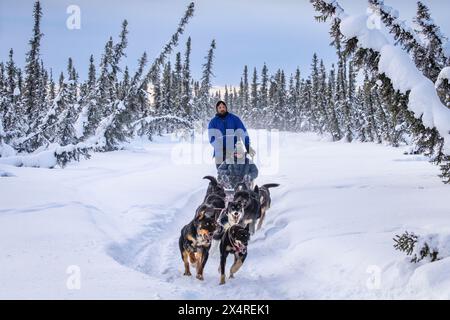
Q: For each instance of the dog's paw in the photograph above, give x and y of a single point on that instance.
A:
(187, 274)
(231, 276)
(200, 277)
(222, 280)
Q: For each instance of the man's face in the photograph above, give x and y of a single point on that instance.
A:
(221, 109)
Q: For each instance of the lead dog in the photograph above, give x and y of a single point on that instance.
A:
(235, 241)
(195, 240)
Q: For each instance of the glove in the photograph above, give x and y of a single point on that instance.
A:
(251, 152)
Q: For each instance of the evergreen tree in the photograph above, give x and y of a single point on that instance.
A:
(264, 95)
(186, 100)
(434, 59)
(32, 89)
(65, 132)
(254, 102)
(204, 104)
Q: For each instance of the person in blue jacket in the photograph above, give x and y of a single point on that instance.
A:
(224, 131)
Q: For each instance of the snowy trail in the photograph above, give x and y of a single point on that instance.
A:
(118, 217)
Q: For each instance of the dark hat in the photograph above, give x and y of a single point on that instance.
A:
(221, 102)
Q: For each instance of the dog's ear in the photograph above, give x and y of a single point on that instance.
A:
(256, 189)
(201, 212)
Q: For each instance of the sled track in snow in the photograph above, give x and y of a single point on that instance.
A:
(153, 250)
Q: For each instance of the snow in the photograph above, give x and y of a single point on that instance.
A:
(443, 75)
(117, 217)
(398, 66)
(43, 159)
(81, 122)
(356, 26)
(5, 149)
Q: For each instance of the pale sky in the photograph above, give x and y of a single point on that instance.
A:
(281, 33)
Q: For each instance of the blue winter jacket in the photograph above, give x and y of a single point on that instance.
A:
(232, 122)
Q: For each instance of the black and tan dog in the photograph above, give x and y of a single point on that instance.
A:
(195, 239)
(250, 202)
(214, 187)
(265, 201)
(215, 200)
(235, 241)
(233, 214)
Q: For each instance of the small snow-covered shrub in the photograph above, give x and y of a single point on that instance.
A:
(430, 247)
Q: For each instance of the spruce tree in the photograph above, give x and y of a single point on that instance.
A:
(252, 115)
(434, 59)
(264, 96)
(204, 104)
(186, 99)
(33, 83)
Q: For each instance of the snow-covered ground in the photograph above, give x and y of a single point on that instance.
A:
(116, 219)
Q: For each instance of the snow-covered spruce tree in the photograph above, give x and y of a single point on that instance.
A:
(333, 123)
(13, 115)
(322, 99)
(403, 35)
(33, 91)
(351, 96)
(308, 117)
(89, 114)
(279, 99)
(3, 91)
(427, 139)
(372, 130)
(148, 124)
(3, 151)
(318, 125)
(420, 247)
(166, 92)
(292, 102)
(381, 114)
(245, 96)
(359, 117)
(186, 99)
(204, 108)
(254, 101)
(342, 105)
(394, 104)
(297, 102)
(177, 86)
(66, 112)
(264, 96)
(434, 59)
(137, 99)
